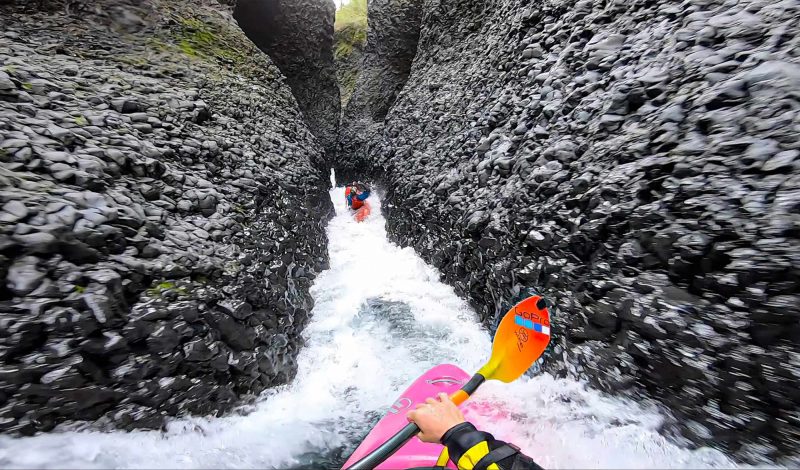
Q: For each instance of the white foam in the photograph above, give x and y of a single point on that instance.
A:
(352, 368)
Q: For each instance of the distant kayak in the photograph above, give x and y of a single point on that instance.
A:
(362, 213)
(442, 378)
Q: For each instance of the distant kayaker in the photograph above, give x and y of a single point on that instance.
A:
(355, 194)
(440, 421)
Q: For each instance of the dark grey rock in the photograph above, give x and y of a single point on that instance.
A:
(199, 350)
(235, 334)
(24, 275)
(635, 162)
(298, 36)
(5, 83)
(783, 161)
(236, 308)
(125, 105)
(13, 211)
(137, 201)
(162, 339)
(108, 344)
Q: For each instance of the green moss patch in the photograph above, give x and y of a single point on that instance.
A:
(159, 289)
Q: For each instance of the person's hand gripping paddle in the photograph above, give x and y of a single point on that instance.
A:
(521, 338)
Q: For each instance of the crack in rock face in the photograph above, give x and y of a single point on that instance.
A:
(161, 214)
(637, 163)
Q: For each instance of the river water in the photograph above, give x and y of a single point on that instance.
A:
(381, 318)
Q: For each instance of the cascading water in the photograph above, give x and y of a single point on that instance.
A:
(381, 318)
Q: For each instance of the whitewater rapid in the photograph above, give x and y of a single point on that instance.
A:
(381, 318)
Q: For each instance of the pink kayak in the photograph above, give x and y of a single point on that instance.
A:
(445, 378)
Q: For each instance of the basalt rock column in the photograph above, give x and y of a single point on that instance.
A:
(637, 162)
(298, 36)
(162, 211)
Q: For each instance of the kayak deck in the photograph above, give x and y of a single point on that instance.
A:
(445, 378)
(363, 212)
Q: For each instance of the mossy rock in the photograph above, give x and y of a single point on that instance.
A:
(159, 289)
(200, 39)
(350, 35)
(348, 39)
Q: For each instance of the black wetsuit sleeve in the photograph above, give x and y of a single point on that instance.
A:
(471, 449)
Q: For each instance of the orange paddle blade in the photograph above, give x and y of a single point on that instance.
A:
(521, 338)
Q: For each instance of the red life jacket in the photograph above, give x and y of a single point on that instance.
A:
(356, 204)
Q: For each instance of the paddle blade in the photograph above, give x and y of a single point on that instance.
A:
(521, 338)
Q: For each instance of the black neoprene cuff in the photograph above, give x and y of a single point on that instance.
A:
(459, 428)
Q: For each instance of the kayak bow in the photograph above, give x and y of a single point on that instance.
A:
(362, 213)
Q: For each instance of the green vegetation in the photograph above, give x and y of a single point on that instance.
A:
(353, 12)
(350, 34)
(81, 121)
(350, 28)
(197, 39)
(161, 287)
(165, 285)
(137, 60)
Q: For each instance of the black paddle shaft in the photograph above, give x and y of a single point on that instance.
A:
(388, 448)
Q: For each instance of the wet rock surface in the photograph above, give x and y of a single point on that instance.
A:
(347, 68)
(161, 214)
(298, 36)
(391, 44)
(637, 163)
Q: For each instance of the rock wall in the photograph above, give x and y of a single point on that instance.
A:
(638, 163)
(161, 214)
(298, 36)
(391, 45)
(348, 52)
